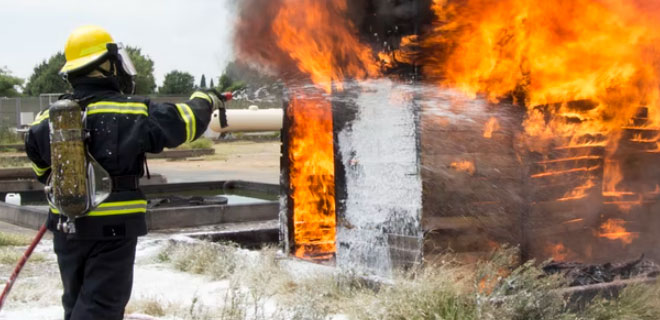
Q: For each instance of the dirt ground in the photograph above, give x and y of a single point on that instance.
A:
(237, 160)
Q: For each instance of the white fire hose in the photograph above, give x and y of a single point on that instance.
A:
(251, 119)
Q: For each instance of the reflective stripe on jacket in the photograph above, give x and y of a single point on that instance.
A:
(122, 129)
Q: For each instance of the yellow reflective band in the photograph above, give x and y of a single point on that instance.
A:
(117, 107)
(99, 213)
(189, 118)
(39, 171)
(114, 208)
(201, 95)
(41, 116)
(93, 49)
(123, 203)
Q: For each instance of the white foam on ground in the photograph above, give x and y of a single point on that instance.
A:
(152, 280)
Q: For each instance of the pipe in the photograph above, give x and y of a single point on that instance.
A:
(252, 119)
(21, 263)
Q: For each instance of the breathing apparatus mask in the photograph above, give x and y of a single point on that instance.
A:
(123, 65)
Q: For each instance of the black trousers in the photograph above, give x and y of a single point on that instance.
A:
(97, 276)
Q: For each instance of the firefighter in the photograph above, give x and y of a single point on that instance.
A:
(97, 254)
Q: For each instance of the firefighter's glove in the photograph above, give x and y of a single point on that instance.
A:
(218, 103)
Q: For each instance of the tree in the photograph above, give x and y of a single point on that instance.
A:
(9, 84)
(145, 82)
(45, 77)
(238, 75)
(177, 82)
(224, 82)
(228, 84)
(211, 84)
(202, 83)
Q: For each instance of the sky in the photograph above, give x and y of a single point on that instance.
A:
(187, 35)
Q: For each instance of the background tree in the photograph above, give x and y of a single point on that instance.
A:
(202, 83)
(211, 85)
(177, 82)
(239, 76)
(9, 83)
(46, 79)
(224, 82)
(145, 82)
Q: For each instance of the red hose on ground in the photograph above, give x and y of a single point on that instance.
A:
(21, 263)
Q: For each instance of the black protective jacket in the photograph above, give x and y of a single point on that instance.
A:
(122, 129)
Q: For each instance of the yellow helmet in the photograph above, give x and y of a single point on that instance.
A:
(86, 45)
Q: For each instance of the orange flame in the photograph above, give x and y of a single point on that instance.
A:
(312, 173)
(582, 68)
(579, 192)
(491, 126)
(613, 229)
(463, 166)
(558, 51)
(323, 43)
(558, 252)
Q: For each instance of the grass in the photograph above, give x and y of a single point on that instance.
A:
(12, 239)
(150, 306)
(639, 302)
(201, 143)
(217, 261)
(8, 136)
(261, 287)
(11, 256)
(12, 162)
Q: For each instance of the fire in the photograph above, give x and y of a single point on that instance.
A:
(463, 166)
(491, 126)
(579, 192)
(312, 173)
(322, 41)
(582, 68)
(613, 229)
(558, 252)
(557, 51)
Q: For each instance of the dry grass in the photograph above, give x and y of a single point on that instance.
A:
(157, 308)
(11, 162)
(36, 290)
(12, 248)
(216, 260)
(201, 143)
(639, 302)
(150, 306)
(12, 255)
(12, 239)
(261, 288)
